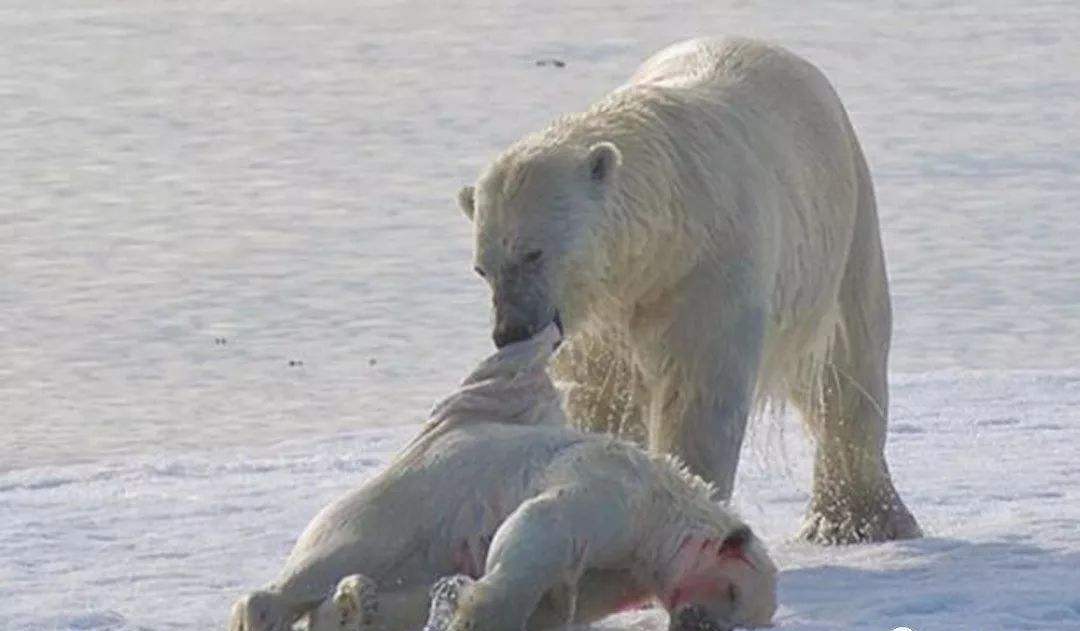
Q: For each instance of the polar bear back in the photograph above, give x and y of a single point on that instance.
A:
(779, 110)
(401, 525)
(742, 66)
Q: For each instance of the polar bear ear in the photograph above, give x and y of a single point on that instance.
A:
(466, 199)
(604, 159)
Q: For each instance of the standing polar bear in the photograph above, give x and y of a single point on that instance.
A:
(708, 237)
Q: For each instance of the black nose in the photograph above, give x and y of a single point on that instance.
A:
(508, 334)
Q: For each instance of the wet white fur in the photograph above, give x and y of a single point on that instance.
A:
(726, 254)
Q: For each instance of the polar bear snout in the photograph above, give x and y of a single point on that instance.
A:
(522, 310)
(507, 333)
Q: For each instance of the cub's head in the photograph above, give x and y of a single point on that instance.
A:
(537, 214)
(721, 584)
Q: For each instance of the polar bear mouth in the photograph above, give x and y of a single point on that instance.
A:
(557, 321)
(511, 331)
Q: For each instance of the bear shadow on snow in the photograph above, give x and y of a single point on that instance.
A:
(945, 584)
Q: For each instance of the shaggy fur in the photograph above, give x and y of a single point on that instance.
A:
(550, 525)
(708, 236)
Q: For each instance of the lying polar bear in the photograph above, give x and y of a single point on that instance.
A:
(555, 526)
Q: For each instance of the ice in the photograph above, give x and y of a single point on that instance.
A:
(233, 280)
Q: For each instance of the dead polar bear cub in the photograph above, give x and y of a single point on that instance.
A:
(554, 525)
(708, 236)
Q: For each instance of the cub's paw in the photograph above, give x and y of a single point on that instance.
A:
(353, 606)
(356, 600)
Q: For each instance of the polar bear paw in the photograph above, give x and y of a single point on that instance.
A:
(352, 607)
(445, 596)
(356, 599)
(883, 518)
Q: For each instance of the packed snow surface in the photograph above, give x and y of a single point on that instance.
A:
(233, 280)
(987, 462)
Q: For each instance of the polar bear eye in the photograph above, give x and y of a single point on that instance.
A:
(533, 256)
(479, 272)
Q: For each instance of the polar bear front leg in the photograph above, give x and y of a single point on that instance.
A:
(603, 389)
(701, 370)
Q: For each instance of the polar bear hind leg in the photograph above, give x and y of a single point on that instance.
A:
(844, 398)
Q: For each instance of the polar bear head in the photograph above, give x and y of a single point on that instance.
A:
(538, 216)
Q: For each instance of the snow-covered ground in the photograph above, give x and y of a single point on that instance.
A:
(281, 176)
(987, 461)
